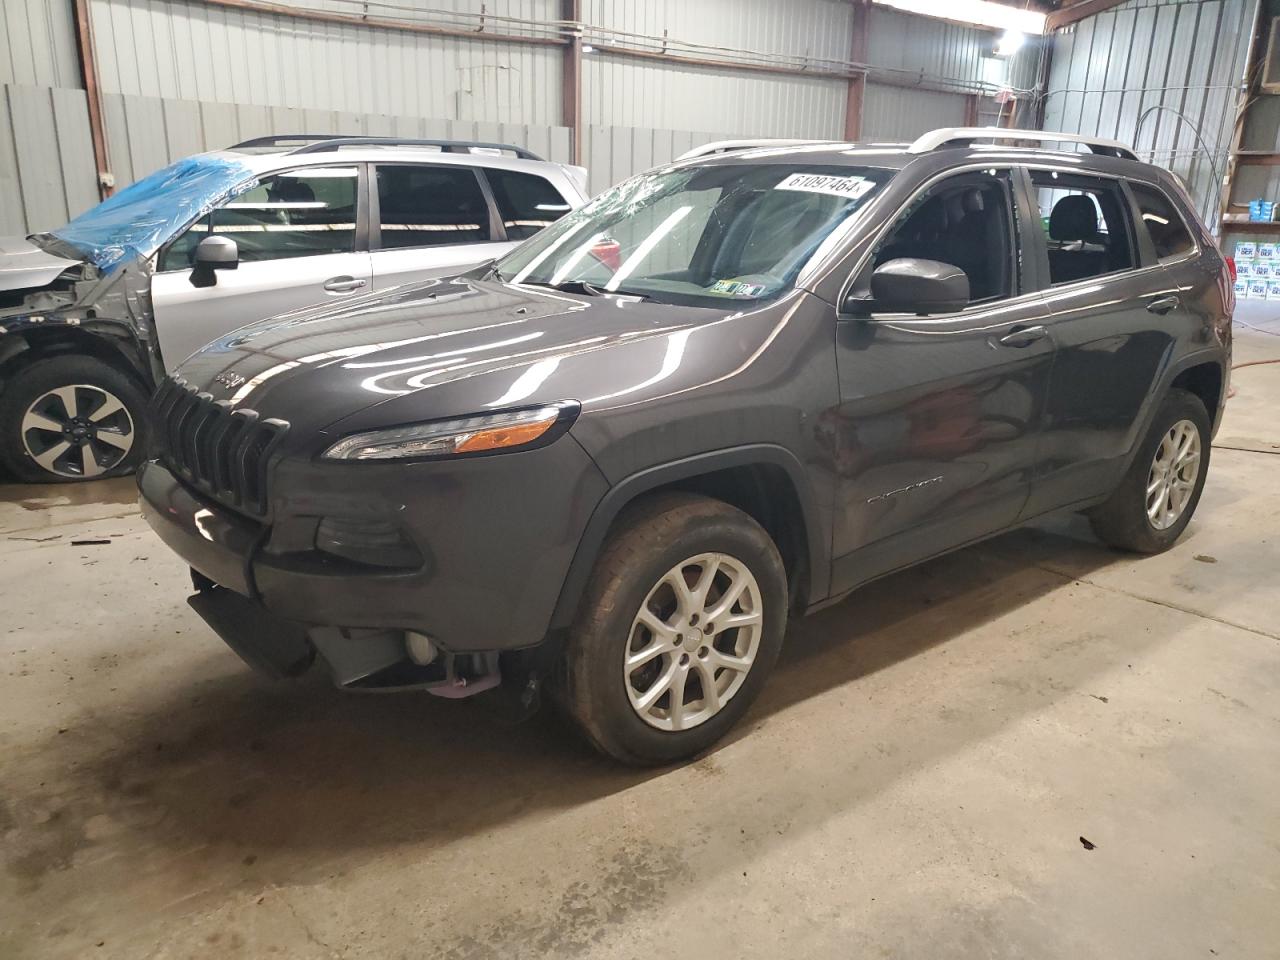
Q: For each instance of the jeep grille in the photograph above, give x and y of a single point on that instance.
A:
(217, 450)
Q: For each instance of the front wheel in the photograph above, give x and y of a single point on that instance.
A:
(681, 623)
(1157, 497)
(70, 418)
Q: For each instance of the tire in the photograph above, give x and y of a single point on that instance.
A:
(109, 420)
(1124, 521)
(637, 566)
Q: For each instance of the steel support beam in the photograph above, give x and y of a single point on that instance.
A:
(1077, 12)
(89, 77)
(571, 79)
(856, 94)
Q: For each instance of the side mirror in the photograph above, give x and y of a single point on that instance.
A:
(214, 253)
(922, 287)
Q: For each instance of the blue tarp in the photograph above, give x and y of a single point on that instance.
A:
(139, 219)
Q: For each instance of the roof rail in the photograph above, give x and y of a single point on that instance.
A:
(322, 143)
(963, 136)
(728, 146)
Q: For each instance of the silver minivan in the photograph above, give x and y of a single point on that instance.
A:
(93, 314)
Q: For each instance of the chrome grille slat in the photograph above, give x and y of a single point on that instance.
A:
(220, 451)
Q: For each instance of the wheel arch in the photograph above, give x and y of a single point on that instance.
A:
(766, 481)
(117, 347)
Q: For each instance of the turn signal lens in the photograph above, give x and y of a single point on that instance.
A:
(501, 437)
(496, 431)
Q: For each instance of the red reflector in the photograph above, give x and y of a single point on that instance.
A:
(608, 252)
(1231, 268)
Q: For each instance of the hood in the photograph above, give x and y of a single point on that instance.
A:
(24, 265)
(317, 366)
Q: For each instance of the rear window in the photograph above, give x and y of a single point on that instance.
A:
(1168, 231)
(526, 202)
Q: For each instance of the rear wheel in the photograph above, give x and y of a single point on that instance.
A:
(681, 623)
(70, 418)
(1156, 499)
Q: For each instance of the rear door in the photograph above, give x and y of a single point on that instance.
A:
(1112, 312)
(302, 239)
(431, 220)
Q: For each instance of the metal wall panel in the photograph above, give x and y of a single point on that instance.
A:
(805, 28)
(38, 43)
(1156, 74)
(940, 51)
(46, 160)
(895, 114)
(191, 51)
(637, 93)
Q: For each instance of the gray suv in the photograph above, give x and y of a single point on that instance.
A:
(612, 464)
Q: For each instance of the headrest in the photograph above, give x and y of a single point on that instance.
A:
(1074, 217)
(292, 191)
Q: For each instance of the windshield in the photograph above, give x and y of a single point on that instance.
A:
(136, 221)
(703, 235)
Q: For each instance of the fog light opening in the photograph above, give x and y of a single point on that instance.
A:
(422, 650)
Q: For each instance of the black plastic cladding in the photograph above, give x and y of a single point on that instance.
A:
(220, 451)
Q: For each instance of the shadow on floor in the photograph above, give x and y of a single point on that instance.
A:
(298, 774)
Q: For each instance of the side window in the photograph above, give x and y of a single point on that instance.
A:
(1087, 232)
(423, 206)
(301, 213)
(966, 221)
(1168, 231)
(526, 202)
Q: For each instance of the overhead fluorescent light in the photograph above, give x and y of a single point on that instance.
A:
(984, 13)
(1010, 42)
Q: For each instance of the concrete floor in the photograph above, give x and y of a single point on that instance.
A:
(915, 782)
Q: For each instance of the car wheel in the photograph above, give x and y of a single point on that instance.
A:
(71, 418)
(1155, 501)
(680, 625)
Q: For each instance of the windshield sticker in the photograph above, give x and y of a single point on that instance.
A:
(737, 288)
(852, 188)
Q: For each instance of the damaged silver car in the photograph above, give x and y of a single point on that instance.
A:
(93, 314)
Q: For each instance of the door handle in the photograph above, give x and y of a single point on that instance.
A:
(1163, 305)
(1023, 336)
(343, 284)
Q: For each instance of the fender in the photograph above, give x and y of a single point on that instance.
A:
(626, 490)
(1216, 355)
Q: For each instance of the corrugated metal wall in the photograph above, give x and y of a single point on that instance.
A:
(894, 113)
(193, 51)
(940, 51)
(1148, 60)
(47, 174)
(38, 43)
(631, 92)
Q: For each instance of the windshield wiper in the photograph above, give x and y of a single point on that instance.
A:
(590, 289)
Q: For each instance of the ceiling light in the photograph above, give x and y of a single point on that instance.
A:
(1010, 43)
(982, 12)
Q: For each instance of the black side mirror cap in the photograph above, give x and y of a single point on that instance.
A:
(911, 285)
(214, 253)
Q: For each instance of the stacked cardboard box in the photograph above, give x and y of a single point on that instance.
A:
(1257, 270)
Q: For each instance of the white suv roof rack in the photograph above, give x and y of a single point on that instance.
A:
(963, 136)
(727, 146)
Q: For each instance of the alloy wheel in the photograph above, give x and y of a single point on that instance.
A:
(1173, 474)
(693, 641)
(77, 431)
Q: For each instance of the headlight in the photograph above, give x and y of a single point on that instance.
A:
(510, 430)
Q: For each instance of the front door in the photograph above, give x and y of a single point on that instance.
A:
(935, 434)
(298, 243)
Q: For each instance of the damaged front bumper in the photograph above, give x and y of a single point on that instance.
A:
(219, 547)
